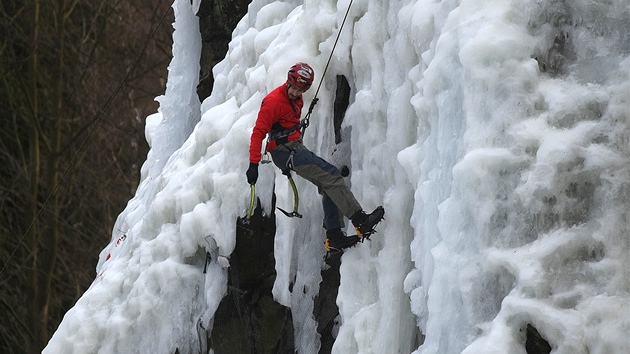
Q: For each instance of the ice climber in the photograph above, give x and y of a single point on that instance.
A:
(279, 116)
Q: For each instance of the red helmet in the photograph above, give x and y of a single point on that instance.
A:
(301, 76)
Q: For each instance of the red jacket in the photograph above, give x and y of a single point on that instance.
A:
(276, 107)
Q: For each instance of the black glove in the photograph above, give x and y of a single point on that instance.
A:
(252, 173)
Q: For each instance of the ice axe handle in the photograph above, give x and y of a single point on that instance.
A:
(252, 201)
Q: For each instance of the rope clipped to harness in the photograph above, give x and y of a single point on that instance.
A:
(306, 121)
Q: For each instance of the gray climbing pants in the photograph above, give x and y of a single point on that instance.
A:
(337, 199)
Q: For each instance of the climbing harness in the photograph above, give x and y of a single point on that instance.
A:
(278, 136)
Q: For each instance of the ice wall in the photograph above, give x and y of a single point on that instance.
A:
(495, 133)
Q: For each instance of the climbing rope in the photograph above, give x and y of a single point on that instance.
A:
(306, 121)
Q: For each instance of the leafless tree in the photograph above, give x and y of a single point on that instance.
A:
(77, 79)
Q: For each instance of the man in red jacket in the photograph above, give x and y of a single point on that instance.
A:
(279, 116)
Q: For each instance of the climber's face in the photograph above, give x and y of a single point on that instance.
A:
(293, 92)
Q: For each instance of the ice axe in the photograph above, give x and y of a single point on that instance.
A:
(296, 198)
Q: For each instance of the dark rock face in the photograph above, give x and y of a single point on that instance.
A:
(217, 20)
(535, 343)
(248, 319)
(342, 101)
(325, 309)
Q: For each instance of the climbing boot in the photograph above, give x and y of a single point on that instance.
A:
(337, 241)
(364, 223)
